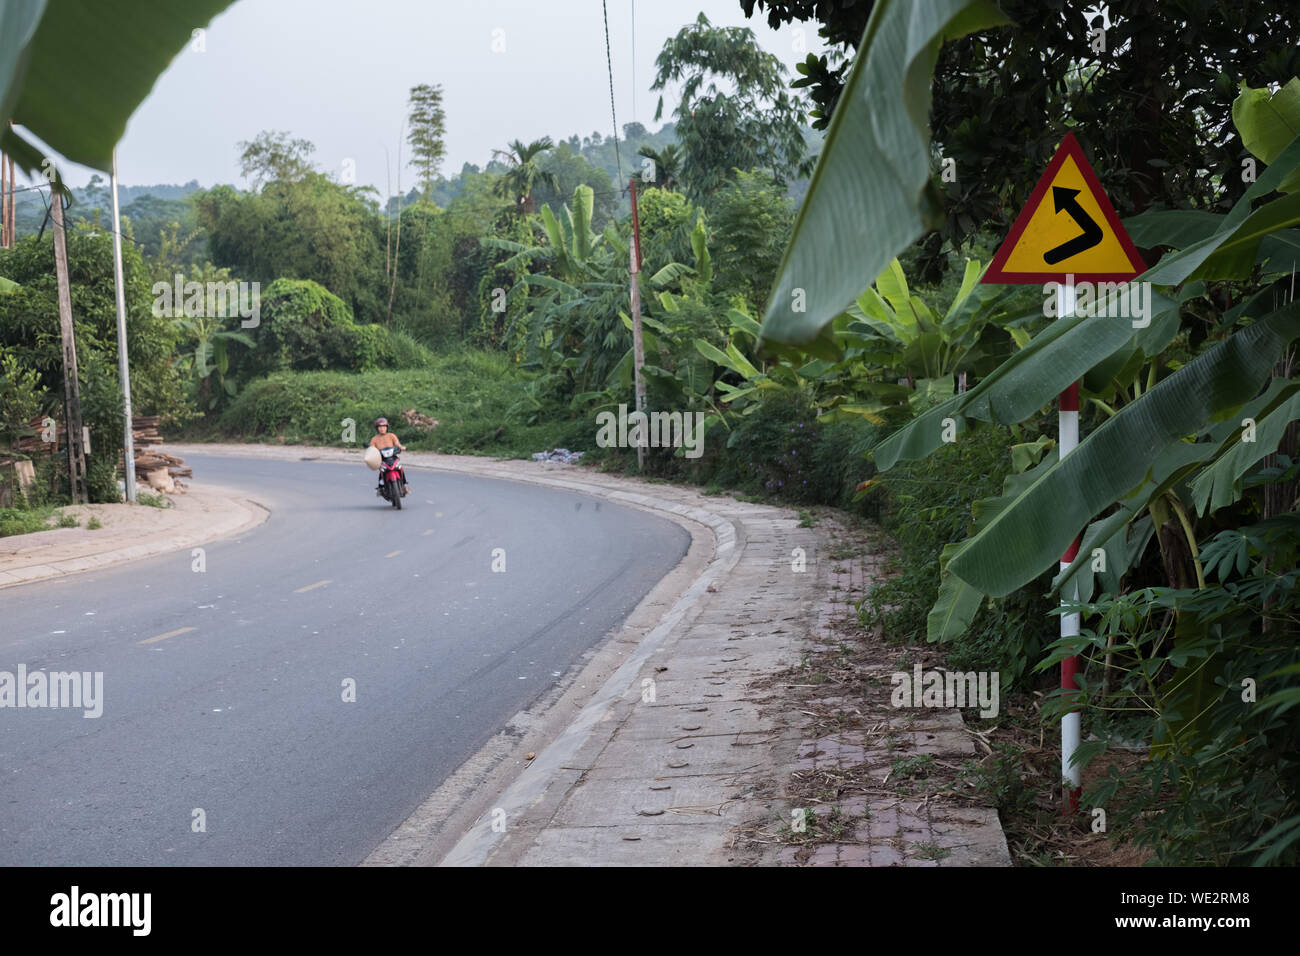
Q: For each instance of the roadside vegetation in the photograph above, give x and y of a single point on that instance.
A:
(836, 343)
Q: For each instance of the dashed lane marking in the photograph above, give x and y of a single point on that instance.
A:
(163, 637)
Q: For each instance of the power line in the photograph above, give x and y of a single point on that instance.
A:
(633, 60)
(609, 60)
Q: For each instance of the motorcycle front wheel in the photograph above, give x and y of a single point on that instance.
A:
(395, 493)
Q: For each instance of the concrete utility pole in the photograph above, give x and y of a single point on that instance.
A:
(7, 220)
(123, 362)
(71, 388)
(638, 348)
(4, 204)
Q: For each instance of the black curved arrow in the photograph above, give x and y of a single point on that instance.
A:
(1065, 201)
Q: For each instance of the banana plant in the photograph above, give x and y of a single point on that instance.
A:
(211, 355)
(574, 288)
(1144, 458)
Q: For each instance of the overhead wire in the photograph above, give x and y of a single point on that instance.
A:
(609, 61)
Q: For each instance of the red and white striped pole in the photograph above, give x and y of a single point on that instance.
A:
(1068, 426)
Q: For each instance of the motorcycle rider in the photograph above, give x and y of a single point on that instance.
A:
(386, 439)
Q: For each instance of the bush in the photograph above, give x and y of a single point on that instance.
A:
(101, 481)
(21, 397)
(926, 505)
(470, 393)
(305, 327)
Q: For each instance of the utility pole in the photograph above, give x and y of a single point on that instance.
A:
(71, 389)
(7, 220)
(4, 204)
(638, 348)
(123, 362)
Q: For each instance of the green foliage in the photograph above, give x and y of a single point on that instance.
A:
(1268, 121)
(308, 227)
(927, 506)
(206, 340)
(426, 125)
(25, 520)
(524, 172)
(29, 335)
(883, 128)
(774, 450)
(470, 393)
(101, 480)
(750, 219)
(757, 127)
(273, 157)
(569, 171)
(303, 327)
(1161, 91)
(22, 397)
(1210, 676)
(664, 171)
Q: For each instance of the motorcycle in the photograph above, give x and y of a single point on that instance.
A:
(391, 478)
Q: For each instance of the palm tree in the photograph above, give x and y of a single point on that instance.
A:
(667, 163)
(524, 172)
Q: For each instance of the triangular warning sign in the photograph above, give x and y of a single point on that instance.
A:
(1068, 227)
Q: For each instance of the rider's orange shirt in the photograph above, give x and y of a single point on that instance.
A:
(388, 440)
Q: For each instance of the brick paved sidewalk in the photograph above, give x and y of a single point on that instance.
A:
(860, 820)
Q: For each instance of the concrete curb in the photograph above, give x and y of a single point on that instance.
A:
(240, 514)
(547, 768)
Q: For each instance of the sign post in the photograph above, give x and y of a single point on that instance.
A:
(1068, 232)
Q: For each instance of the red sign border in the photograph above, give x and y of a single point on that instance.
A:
(1069, 147)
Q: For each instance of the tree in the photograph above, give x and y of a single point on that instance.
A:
(572, 170)
(311, 229)
(1155, 102)
(274, 157)
(426, 125)
(667, 165)
(523, 172)
(756, 127)
(751, 221)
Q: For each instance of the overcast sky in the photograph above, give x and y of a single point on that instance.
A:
(338, 72)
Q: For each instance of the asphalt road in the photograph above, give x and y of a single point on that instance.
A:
(224, 689)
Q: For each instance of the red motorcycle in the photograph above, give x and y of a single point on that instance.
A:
(392, 480)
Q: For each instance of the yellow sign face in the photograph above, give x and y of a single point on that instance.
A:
(1067, 228)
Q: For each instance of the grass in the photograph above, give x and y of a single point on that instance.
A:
(806, 520)
(932, 851)
(151, 501)
(917, 766)
(68, 521)
(94, 523)
(24, 520)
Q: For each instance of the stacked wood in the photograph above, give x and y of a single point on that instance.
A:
(159, 471)
(32, 444)
(144, 430)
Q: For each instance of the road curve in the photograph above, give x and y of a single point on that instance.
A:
(227, 734)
